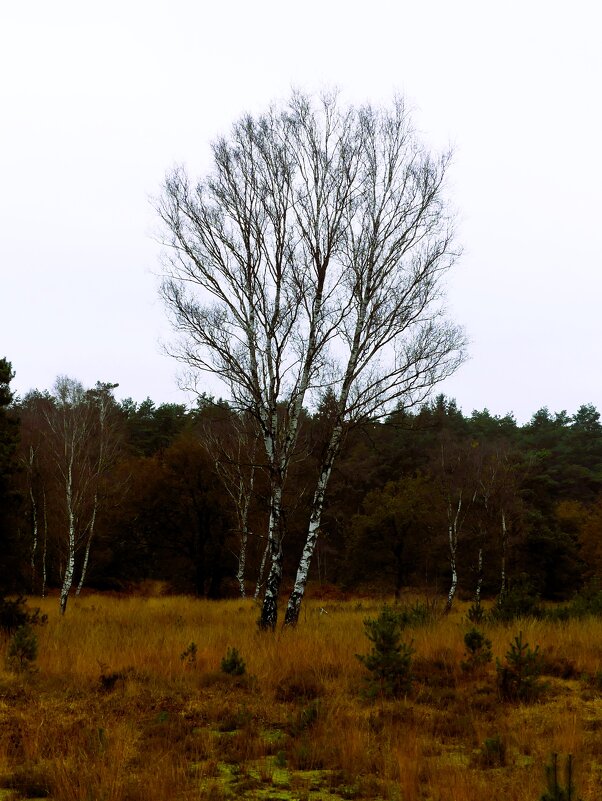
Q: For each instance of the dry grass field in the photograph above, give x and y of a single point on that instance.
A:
(120, 707)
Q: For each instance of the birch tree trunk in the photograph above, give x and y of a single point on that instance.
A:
(503, 581)
(259, 582)
(477, 595)
(269, 611)
(453, 531)
(298, 591)
(45, 544)
(70, 560)
(89, 539)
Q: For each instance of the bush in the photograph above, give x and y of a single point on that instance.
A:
(493, 753)
(233, 664)
(390, 660)
(14, 615)
(587, 603)
(476, 613)
(418, 614)
(521, 600)
(22, 649)
(518, 679)
(188, 657)
(479, 651)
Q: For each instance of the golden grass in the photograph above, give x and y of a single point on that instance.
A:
(113, 712)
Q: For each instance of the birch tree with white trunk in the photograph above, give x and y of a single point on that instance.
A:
(79, 444)
(311, 258)
(232, 442)
(394, 344)
(106, 443)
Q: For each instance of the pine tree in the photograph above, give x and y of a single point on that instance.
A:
(9, 430)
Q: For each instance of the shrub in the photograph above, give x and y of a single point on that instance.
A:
(521, 600)
(22, 649)
(518, 678)
(390, 660)
(479, 651)
(188, 657)
(419, 614)
(476, 613)
(493, 752)
(587, 603)
(233, 664)
(14, 615)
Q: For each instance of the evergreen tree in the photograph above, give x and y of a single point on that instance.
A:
(9, 431)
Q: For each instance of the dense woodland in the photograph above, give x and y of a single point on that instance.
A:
(96, 493)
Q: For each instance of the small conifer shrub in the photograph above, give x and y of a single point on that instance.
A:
(14, 614)
(518, 678)
(22, 649)
(520, 601)
(476, 613)
(188, 656)
(478, 649)
(233, 664)
(390, 659)
(493, 752)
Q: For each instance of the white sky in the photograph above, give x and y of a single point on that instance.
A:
(98, 100)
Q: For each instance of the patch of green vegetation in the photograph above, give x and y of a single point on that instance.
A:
(264, 780)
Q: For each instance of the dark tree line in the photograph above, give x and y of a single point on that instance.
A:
(433, 498)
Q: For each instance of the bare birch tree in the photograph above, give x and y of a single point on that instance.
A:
(81, 447)
(232, 443)
(309, 259)
(394, 344)
(106, 443)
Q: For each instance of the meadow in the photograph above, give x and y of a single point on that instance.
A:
(127, 701)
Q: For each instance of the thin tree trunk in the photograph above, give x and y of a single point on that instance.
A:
(45, 545)
(264, 558)
(503, 584)
(243, 506)
(477, 595)
(242, 559)
(88, 545)
(454, 581)
(34, 544)
(69, 569)
(296, 596)
(70, 566)
(453, 547)
(269, 611)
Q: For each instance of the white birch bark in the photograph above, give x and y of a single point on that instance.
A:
(70, 560)
(298, 591)
(269, 611)
(261, 571)
(45, 543)
(89, 539)
(81, 450)
(453, 531)
(479, 577)
(503, 579)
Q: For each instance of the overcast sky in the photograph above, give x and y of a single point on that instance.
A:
(99, 100)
